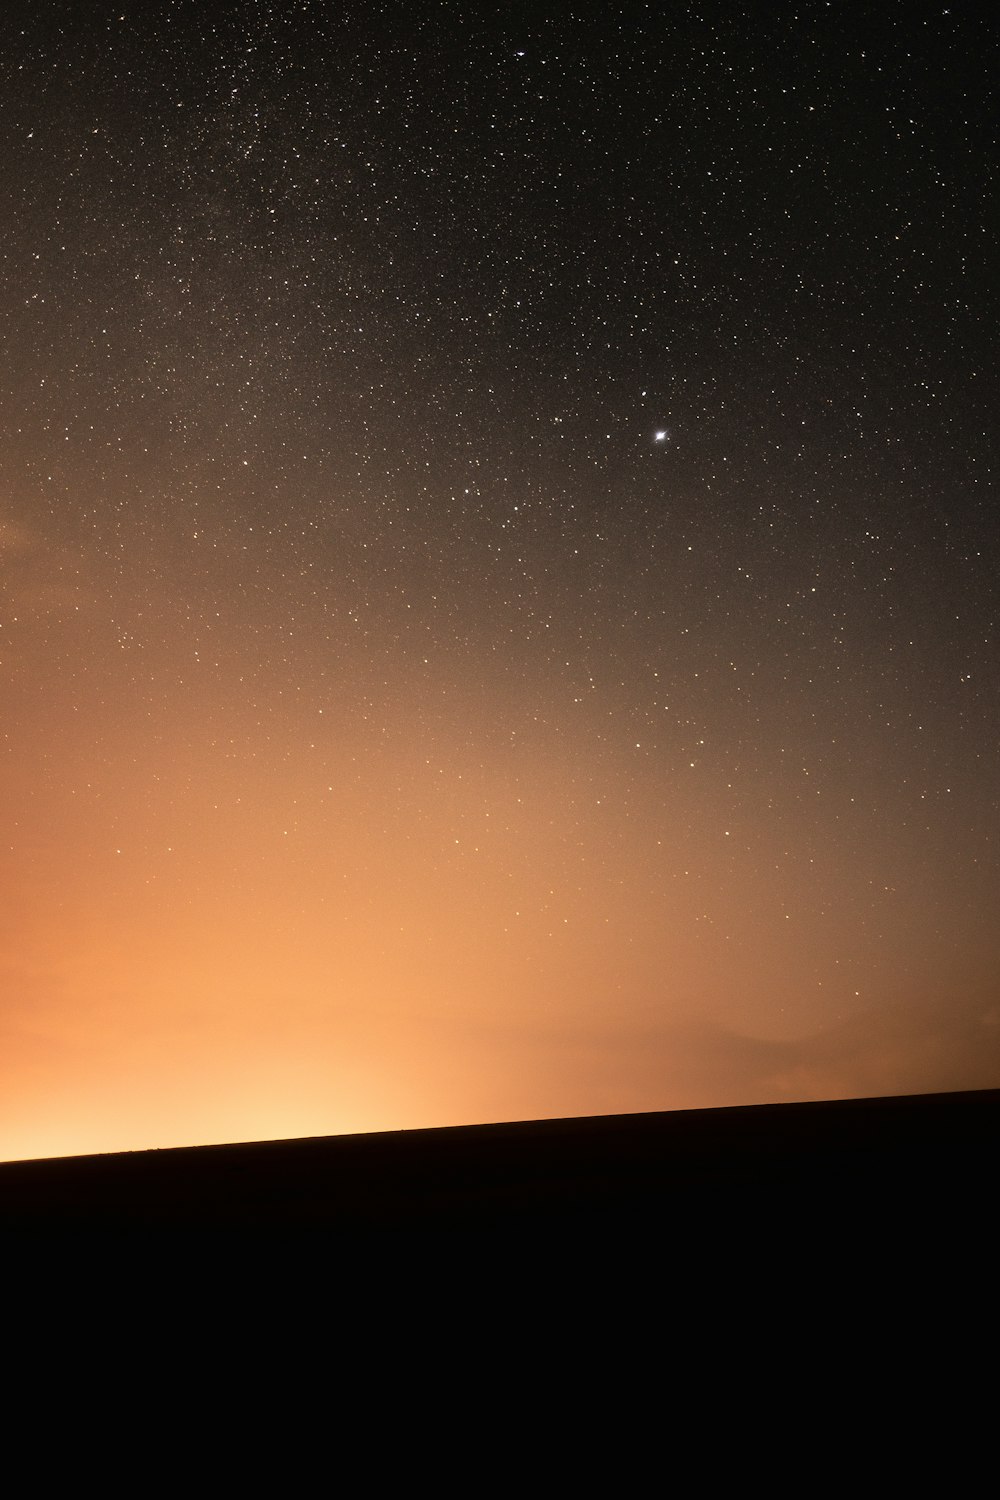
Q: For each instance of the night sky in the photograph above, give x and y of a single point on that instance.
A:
(498, 563)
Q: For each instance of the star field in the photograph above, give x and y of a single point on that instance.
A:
(498, 564)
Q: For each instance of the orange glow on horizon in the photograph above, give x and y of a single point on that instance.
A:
(497, 578)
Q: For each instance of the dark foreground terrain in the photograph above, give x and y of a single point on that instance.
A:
(923, 1165)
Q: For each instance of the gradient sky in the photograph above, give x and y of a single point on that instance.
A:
(498, 563)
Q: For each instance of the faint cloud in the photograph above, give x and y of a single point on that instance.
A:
(13, 537)
(926, 1046)
(38, 576)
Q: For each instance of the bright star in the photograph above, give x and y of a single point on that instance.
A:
(662, 436)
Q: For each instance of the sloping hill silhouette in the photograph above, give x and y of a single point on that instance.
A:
(901, 1162)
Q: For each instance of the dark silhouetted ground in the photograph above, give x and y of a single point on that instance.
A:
(915, 1165)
